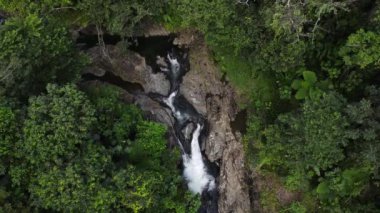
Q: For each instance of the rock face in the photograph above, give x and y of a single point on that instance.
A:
(132, 68)
(129, 66)
(203, 88)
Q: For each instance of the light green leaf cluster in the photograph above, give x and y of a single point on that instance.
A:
(362, 49)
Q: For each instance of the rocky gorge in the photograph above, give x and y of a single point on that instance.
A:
(135, 71)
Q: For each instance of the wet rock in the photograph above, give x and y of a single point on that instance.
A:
(127, 65)
(131, 67)
(161, 62)
(159, 113)
(157, 83)
(188, 130)
(203, 88)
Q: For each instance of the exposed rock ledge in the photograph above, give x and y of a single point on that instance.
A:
(129, 66)
(203, 88)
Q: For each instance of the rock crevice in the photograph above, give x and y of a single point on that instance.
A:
(205, 90)
(211, 97)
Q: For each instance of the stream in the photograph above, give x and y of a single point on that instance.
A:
(190, 127)
(190, 130)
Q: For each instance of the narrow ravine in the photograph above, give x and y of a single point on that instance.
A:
(179, 87)
(187, 120)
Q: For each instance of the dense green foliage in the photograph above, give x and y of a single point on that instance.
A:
(65, 149)
(305, 70)
(99, 155)
(115, 17)
(33, 54)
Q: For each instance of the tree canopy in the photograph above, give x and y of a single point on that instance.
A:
(307, 72)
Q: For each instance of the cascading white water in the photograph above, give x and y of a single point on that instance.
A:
(170, 102)
(174, 65)
(195, 169)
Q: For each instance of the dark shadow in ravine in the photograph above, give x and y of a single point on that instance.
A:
(162, 46)
(132, 88)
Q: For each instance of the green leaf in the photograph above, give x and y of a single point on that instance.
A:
(296, 84)
(310, 77)
(323, 190)
(305, 85)
(301, 94)
(314, 93)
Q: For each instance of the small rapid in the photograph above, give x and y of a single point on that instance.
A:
(195, 170)
(189, 128)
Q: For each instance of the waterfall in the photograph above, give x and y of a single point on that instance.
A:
(170, 103)
(174, 65)
(195, 170)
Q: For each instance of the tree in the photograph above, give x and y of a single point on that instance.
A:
(35, 52)
(364, 118)
(309, 142)
(361, 58)
(117, 17)
(26, 7)
(57, 124)
(340, 186)
(266, 48)
(329, 139)
(75, 155)
(361, 49)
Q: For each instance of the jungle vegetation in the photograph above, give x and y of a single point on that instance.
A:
(308, 74)
(307, 71)
(70, 148)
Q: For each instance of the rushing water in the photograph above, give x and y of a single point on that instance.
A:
(195, 171)
(189, 126)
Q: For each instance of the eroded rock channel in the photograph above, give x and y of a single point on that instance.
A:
(180, 87)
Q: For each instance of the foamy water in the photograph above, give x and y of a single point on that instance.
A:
(174, 65)
(195, 170)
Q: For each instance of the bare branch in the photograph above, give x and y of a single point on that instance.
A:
(102, 45)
